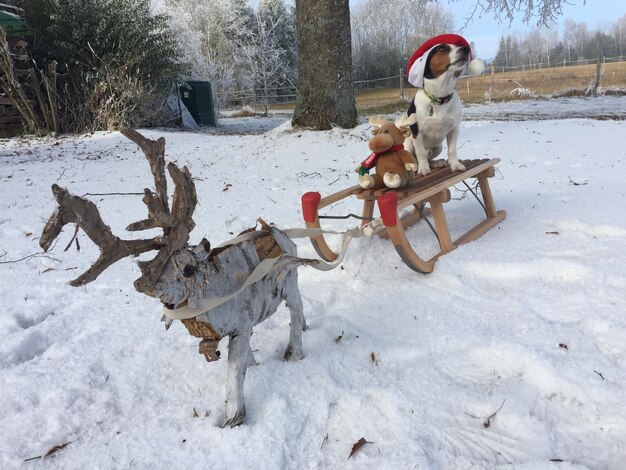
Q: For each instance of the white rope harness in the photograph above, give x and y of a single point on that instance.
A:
(265, 266)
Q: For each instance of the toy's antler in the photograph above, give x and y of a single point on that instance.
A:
(176, 224)
(406, 121)
(377, 121)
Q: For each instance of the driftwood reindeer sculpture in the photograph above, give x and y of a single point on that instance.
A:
(184, 277)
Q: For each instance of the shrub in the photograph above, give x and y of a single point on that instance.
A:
(117, 61)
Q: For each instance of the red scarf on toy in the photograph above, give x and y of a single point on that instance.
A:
(370, 161)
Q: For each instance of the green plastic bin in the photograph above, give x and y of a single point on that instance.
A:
(198, 98)
(11, 21)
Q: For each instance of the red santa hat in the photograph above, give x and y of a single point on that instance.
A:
(417, 63)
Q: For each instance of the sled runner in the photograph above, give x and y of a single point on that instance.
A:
(432, 189)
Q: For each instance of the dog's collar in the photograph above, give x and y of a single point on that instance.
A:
(435, 100)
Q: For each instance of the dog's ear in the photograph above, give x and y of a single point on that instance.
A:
(428, 73)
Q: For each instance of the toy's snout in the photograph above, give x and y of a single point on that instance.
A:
(380, 142)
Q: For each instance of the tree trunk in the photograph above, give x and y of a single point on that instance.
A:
(325, 93)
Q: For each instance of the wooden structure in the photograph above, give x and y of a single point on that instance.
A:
(432, 189)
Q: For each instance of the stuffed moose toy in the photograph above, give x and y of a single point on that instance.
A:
(395, 167)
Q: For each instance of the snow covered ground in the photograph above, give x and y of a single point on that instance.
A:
(528, 321)
(601, 107)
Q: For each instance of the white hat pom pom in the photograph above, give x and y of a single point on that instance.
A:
(475, 67)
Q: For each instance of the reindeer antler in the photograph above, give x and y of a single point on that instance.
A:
(84, 213)
(377, 121)
(406, 121)
(176, 224)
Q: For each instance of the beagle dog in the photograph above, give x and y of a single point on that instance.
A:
(434, 69)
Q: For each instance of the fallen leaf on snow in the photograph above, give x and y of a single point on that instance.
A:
(357, 445)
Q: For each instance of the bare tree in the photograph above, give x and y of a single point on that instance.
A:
(618, 32)
(533, 48)
(325, 92)
(544, 11)
(267, 60)
(381, 43)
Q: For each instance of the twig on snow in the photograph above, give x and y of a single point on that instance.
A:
(577, 183)
(113, 194)
(74, 237)
(34, 255)
(493, 415)
(51, 451)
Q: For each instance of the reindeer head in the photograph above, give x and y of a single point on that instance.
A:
(179, 277)
(176, 223)
(387, 134)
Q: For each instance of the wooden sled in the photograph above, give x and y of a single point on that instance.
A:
(432, 189)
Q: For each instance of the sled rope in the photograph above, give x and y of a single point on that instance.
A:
(369, 219)
(265, 266)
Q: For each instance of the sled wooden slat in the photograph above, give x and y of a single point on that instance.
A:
(432, 190)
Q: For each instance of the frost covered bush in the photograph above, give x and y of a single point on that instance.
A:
(117, 61)
(521, 92)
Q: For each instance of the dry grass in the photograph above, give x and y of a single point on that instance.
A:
(502, 86)
(540, 82)
(246, 111)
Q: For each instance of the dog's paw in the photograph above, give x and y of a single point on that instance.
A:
(438, 164)
(366, 181)
(457, 166)
(423, 169)
(410, 166)
(392, 180)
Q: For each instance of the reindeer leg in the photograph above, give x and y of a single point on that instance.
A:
(238, 359)
(291, 294)
(251, 360)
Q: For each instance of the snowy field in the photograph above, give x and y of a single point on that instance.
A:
(526, 325)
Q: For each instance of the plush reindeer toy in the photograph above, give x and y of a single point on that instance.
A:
(395, 167)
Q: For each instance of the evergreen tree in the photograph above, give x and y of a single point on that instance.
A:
(501, 55)
(115, 57)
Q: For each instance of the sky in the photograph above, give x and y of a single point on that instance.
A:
(485, 32)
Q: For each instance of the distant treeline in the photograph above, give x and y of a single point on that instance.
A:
(547, 47)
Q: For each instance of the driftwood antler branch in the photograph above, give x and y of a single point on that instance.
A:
(176, 223)
(84, 213)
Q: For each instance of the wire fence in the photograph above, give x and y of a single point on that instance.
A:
(553, 64)
(496, 82)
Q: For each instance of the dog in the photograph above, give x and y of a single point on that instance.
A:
(434, 69)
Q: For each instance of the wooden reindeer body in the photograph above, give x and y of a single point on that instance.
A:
(222, 274)
(181, 276)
